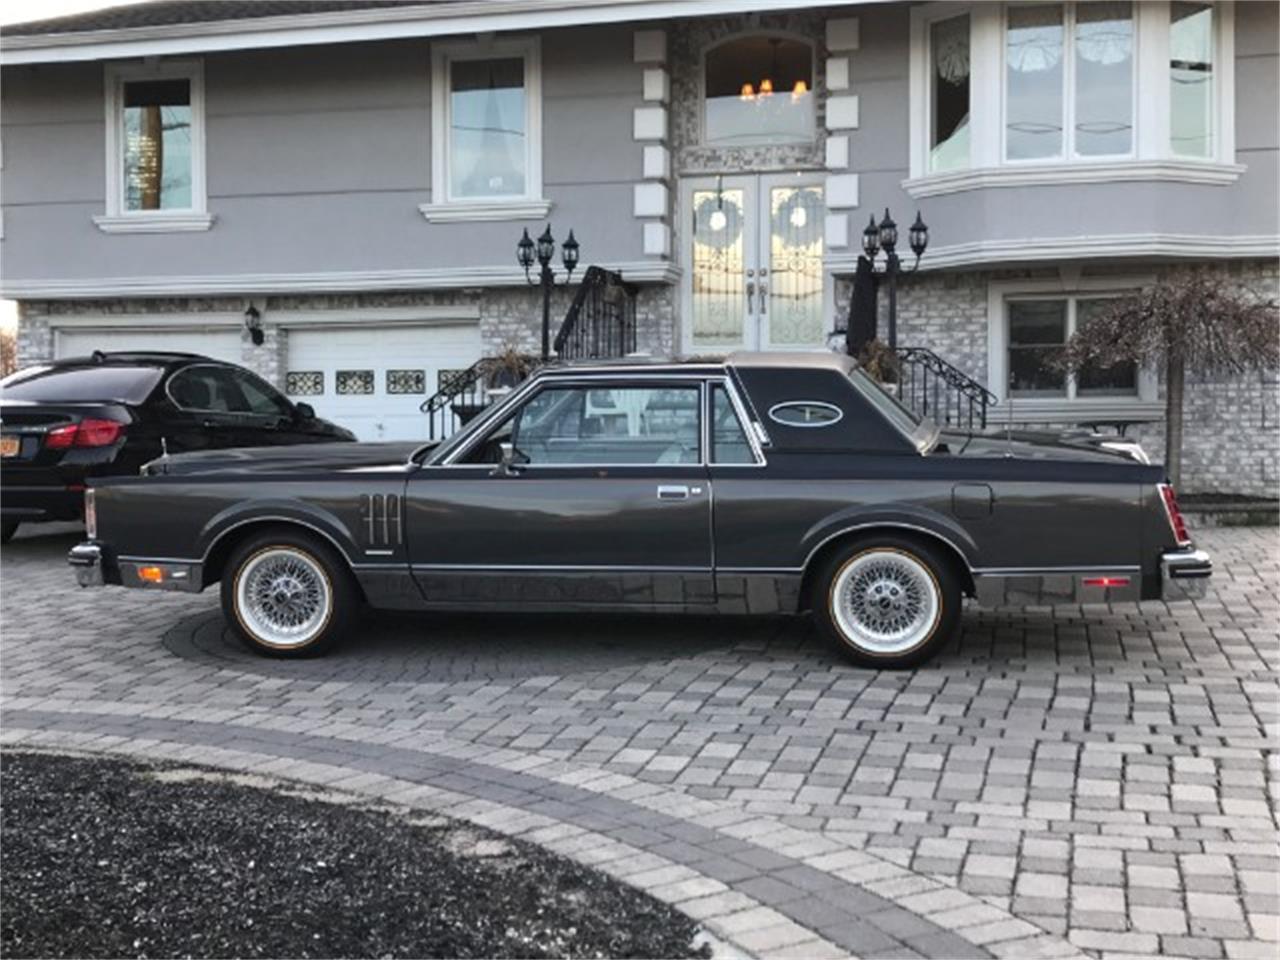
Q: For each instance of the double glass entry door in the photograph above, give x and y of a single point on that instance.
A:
(753, 272)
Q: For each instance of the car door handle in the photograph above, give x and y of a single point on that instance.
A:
(673, 491)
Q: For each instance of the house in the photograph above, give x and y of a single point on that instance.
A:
(359, 173)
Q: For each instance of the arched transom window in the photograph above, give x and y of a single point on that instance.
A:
(759, 90)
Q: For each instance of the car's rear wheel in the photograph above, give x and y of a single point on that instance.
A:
(887, 602)
(287, 594)
(7, 530)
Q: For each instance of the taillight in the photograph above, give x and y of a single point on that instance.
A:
(60, 438)
(86, 433)
(1176, 521)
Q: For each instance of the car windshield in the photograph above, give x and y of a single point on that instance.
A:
(123, 384)
(921, 430)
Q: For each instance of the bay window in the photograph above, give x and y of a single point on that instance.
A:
(1011, 94)
(1191, 79)
(949, 93)
(1069, 80)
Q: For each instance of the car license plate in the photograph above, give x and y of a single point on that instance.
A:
(9, 446)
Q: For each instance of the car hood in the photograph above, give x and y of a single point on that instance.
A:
(1029, 445)
(291, 459)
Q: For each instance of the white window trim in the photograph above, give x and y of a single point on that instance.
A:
(531, 205)
(119, 220)
(1152, 158)
(1146, 405)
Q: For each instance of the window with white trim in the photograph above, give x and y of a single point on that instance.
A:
(1069, 80)
(1029, 325)
(1022, 92)
(487, 129)
(155, 140)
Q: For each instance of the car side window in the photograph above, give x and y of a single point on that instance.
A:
(258, 397)
(606, 426)
(201, 388)
(729, 442)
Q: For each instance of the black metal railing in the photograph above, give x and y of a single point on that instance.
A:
(463, 394)
(601, 321)
(934, 388)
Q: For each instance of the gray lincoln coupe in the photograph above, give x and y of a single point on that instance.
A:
(762, 484)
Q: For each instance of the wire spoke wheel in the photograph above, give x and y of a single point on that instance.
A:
(283, 597)
(886, 601)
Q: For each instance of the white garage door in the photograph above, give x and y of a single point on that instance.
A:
(372, 379)
(221, 343)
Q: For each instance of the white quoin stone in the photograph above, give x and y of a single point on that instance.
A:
(842, 191)
(657, 162)
(650, 200)
(650, 46)
(657, 85)
(837, 153)
(842, 113)
(835, 230)
(837, 73)
(657, 240)
(843, 33)
(649, 123)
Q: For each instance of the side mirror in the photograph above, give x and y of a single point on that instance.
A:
(305, 411)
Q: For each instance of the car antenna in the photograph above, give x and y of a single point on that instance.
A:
(164, 449)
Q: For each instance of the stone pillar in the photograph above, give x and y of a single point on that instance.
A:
(35, 336)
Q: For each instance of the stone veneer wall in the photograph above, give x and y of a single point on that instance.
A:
(1232, 427)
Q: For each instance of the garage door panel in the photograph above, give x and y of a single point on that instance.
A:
(218, 343)
(373, 379)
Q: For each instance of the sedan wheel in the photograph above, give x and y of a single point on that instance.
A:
(888, 602)
(286, 595)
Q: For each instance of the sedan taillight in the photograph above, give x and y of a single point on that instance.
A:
(1176, 521)
(86, 433)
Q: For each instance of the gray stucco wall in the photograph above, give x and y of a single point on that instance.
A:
(319, 156)
(317, 159)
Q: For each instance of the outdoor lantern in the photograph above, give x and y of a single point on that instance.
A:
(569, 250)
(918, 235)
(888, 233)
(871, 239)
(546, 246)
(253, 323)
(524, 251)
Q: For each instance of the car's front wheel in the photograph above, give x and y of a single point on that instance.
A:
(287, 594)
(887, 602)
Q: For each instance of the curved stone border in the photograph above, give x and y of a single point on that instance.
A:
(761, 885)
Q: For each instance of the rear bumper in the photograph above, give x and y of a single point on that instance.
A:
(41, 503)
(95, 566)
(1184, 574)
(90, 563)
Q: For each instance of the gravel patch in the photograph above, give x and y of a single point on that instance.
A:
(107, 858)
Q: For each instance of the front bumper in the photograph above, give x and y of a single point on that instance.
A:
(95, 566)
(1184, 574)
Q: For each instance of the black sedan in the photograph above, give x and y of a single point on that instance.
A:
(764, 484)
(106, 415)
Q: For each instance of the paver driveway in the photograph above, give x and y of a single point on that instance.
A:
(1061, 781)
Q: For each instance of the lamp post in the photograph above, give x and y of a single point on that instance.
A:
(544, 251)
(884, 236)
